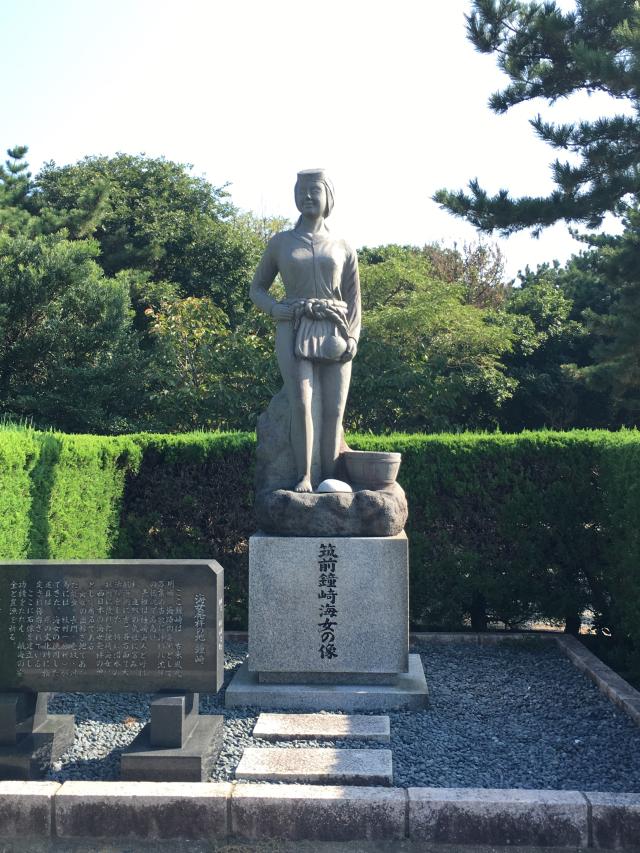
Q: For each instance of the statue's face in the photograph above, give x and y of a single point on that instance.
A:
(311, 198)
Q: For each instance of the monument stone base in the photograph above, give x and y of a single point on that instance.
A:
(178, 745)
(329, 625)
(30, 738)
(408, 693)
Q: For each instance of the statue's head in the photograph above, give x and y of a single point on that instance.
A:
(313, 186)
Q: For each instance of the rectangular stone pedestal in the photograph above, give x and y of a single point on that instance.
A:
(329, 626)
(408, 693)
(328, 609)
(178, 745)
(191, 763)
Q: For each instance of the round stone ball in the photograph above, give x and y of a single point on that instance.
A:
(334, 486)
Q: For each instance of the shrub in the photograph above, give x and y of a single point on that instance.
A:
(501, 527)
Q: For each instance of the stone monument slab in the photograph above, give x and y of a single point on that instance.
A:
(111, 625)
(328, 607)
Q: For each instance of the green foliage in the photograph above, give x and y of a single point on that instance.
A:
(427, 360)
(193, 498)
(203, 372)
(158, 218)
(147, 325)
(547, 343)
(502, 528)
(19, 450)
(61, 494)
(15, 185)
(68, 353)
(620, 483)
(616, 351)
(548, 53)
(23, 213)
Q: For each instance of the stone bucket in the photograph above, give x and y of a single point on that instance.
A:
(368, 469)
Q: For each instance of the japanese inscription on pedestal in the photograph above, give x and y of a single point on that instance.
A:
(328, 594)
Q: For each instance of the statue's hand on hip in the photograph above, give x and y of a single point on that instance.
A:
(282, 311)
(351, 350)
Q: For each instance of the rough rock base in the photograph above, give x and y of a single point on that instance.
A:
(362, 513)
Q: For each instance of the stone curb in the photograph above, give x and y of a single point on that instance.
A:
(626, 697)
(254, 812)
(498, 817)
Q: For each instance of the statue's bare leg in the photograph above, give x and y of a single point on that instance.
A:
(297, 374)
(335, 380)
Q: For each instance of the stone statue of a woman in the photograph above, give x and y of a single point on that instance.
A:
(317, 325)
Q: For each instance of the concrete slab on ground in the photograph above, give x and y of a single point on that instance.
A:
(323, 727)
(316, 766)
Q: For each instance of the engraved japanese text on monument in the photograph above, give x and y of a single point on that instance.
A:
(69, 627)
(328, 595)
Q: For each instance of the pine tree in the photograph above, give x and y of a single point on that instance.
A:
(616, 354)
(15, 188)
(550, 54)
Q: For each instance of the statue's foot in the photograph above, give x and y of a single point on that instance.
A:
(304, 485)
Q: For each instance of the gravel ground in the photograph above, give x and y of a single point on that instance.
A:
(513, 715)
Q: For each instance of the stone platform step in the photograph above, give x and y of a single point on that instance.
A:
(316, 766)
(408, 693)
(322, 727)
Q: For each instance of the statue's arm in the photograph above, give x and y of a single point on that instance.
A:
(263, 279)
(351, 294)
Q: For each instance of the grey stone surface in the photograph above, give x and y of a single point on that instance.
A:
(500, 817)
(307, 598)
(371, 469)
(26, 809)
(327, 678)
(144, 810)
(317, 813)
(18, 713)
(192, 762)
(319, 766)
(408, 693)
(615, 820)
(317, 330)
(39, 739)
(322, 727)
(275, 463)
(173, 719)
(361, 513)
(111, 625)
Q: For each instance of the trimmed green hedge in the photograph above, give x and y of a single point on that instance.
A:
(501, 527)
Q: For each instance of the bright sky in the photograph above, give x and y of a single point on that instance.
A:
(390, 97)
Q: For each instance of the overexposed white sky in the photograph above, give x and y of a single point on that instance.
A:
(390, 97)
